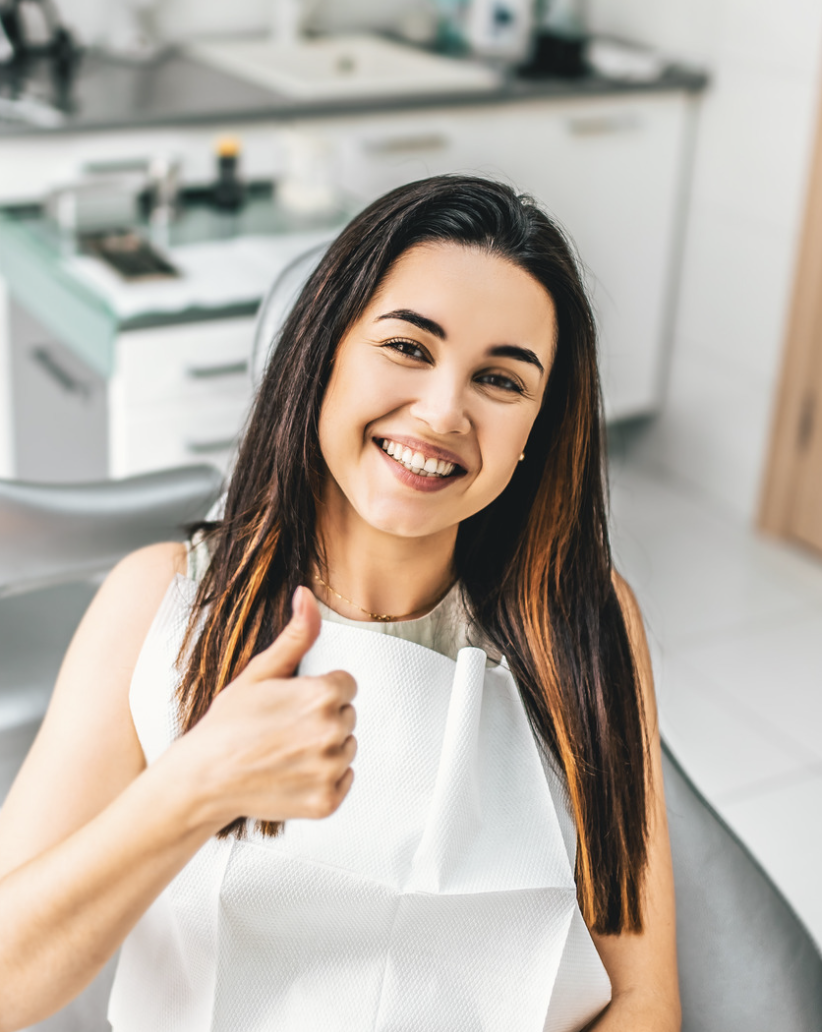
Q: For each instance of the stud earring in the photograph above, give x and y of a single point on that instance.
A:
(522, 456)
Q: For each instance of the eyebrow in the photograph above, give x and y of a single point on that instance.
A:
(422, 322)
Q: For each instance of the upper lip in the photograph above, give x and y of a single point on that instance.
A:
(428, 450)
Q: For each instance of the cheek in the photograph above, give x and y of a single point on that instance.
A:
(367, 392)
(504, 442)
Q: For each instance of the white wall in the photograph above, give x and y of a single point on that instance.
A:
(182, 19)
(753, 150)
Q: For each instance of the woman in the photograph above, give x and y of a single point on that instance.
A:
(423, 459)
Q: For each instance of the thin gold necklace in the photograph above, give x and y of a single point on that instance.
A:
(383, 617)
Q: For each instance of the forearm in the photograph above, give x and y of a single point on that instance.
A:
(637, 1012)
(65, 912)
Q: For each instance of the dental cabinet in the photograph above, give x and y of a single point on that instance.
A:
(104, 388)
(113, 380)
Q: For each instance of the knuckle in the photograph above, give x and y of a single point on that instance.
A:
(329, 740)
(343, 682)
(324, 692)
(324, 802)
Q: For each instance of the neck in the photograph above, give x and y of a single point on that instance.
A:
(380, 572)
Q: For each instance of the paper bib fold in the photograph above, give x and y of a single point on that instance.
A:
(439, 896)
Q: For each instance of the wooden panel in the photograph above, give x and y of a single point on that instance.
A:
(806, 521)
(784, 507)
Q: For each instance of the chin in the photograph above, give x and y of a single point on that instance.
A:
(403, 528)
(400, 520)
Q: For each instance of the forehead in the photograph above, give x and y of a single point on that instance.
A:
(469, 291)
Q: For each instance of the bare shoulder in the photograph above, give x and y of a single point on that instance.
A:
(125, 605)
(153, 565)
(148, 570)
(113, 629)
(87, 751)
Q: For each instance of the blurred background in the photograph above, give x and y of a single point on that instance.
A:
(161, 163)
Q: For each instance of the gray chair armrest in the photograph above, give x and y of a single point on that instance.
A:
(54, 533)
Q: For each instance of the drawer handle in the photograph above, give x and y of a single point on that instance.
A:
(603, 125)
(65, 380)
(215, 371)
(406, 144)
(210, 447)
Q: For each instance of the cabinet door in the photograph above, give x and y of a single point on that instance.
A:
(179, 394)
(189, 362)
(178, 435)
(376, 153)
(60, 407)
(611, 172)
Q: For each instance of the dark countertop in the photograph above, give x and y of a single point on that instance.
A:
(104, 93)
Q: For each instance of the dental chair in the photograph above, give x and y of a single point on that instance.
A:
(56, 544)
(746, 963)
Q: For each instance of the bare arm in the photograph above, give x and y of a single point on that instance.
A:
(642, 968)
(89, 836)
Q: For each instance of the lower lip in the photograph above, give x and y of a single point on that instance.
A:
(414, 479)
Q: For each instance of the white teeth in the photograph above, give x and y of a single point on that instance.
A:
(416, 462)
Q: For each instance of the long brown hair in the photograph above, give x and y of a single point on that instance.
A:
(535, 564)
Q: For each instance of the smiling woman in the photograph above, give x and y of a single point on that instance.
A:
(447, 362)
(424, 453)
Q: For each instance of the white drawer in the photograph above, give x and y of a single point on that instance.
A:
(377, 152)
(175, 435)
(190, 362)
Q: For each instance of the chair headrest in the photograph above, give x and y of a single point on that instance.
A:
(277, 305)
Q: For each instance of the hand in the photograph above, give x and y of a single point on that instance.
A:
(281, 746)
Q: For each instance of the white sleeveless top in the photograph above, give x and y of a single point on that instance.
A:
(439, 896)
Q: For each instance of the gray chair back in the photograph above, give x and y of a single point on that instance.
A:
(746, 963)
(277, 305)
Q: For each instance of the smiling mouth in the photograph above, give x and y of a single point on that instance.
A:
(417, 463)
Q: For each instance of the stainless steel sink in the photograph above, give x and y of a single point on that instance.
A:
(334, 67)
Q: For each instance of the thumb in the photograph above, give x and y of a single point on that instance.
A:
(283, 655)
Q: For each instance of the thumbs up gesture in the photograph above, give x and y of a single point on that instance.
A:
(280, 746)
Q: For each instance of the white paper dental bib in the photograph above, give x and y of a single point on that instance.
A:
(439, 896)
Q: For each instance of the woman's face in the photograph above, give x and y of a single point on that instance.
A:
(446, 368)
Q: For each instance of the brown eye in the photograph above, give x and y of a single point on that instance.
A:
(405, 347)
(505, 382)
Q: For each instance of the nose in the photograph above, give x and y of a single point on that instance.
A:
(442, 404)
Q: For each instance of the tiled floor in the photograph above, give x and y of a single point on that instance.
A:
(734, 622)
